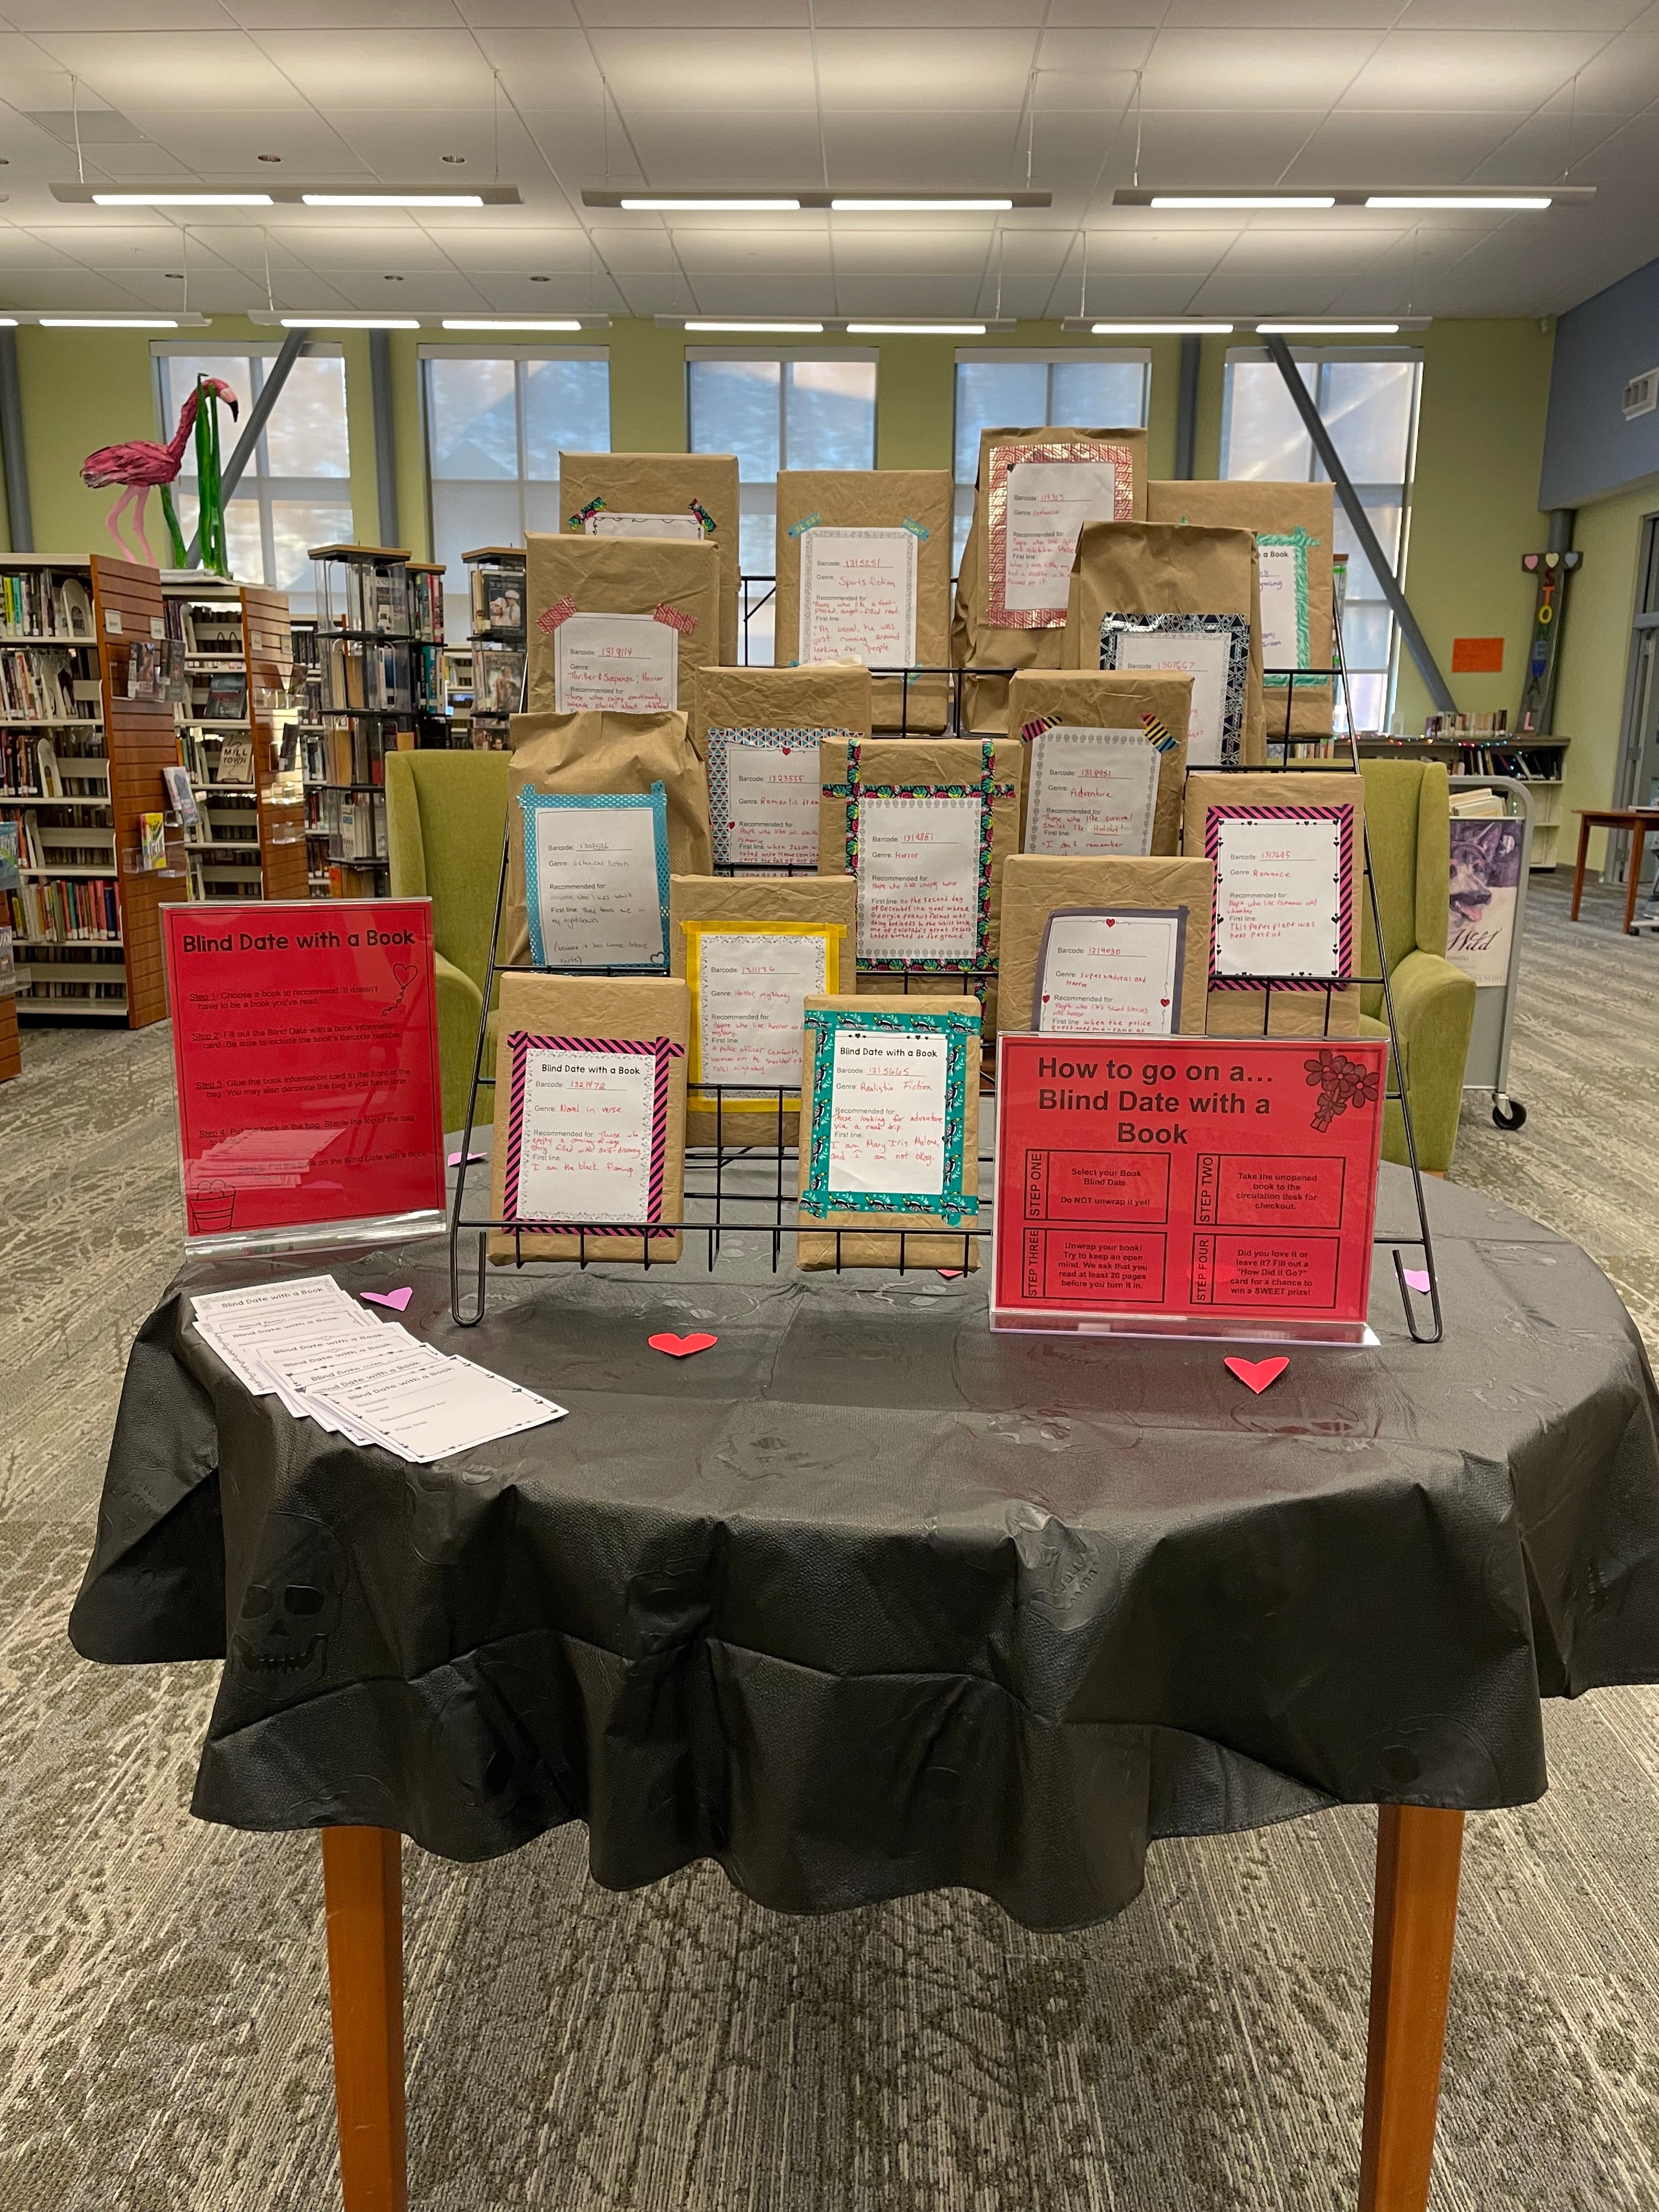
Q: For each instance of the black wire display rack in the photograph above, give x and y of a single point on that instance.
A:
(745, 1189)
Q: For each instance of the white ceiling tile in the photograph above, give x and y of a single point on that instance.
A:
(1103, 15)
(1242, 71)
(752, 252)
(1188, 148)
(390, 18)
(738, 72)
(926, 70)
(1391, 148)
(922, 151)
(169, 69)
(1469, 69)
(1622, 79)
(689, 15)
(1282, 14)
(936, 14)
(232, 138)
(1520, 14)
(116, 14)
(1079, 59)
(702, 149)
(417, 73)
(950, 251)
(517, 14)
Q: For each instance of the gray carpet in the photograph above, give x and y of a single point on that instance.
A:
(163, 2023)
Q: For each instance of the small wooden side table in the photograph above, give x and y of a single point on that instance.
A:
(1638, 820)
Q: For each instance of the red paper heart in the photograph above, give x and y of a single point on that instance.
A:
(1257, 1374)
(1045, 997)
(1111, 921)
(1163, 1002)
(680, 1348)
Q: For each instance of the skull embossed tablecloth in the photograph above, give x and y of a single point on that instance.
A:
(865, 1599)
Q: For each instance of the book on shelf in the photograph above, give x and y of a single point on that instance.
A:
(33, 603)
(66, 910)
(227, 696)
(42, 683)
(497, 600)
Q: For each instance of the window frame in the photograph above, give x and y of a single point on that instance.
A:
(256, 484)
(964, 490)
(1320, 356)
(426, 354)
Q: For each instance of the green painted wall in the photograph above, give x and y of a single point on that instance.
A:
(1589, 700)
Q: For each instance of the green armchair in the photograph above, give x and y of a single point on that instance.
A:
(445, 812)
(1407, 821)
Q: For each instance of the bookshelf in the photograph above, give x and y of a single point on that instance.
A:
(232, 651)
(426, 614)
(308, 692)
(81, 763)
(498, 587)
(1486, 746)
(371, 657)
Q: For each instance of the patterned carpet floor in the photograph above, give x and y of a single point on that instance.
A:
(163, 2021)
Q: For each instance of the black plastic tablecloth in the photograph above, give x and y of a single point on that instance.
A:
(867, 1600)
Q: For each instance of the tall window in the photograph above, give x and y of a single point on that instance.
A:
(774, 411)
(1369, 403)
(496, 421)
(296, 491)
(1018, 390)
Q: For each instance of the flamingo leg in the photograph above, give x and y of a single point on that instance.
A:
(113, 516)
(141, 502)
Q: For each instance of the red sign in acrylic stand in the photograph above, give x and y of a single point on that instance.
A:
(1204, 1187)
(306, 1052)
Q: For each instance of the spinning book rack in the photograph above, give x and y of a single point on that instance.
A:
(742, 1190)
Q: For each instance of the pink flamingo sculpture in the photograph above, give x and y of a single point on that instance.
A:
(140, 466)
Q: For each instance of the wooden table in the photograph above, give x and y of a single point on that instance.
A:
(1414, 1929)
(1638, 820)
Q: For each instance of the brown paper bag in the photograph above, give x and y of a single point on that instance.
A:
(1080, 698)
(619, 494)
(572, 1011)
(1294, 525)
(1154, 595)
(623, 756)
(769, 707)
(1294, 1008)
(986, 631)
(703, 910)
(1036, 888)
(861, 1248)
(905, 504)
(673, 592)
(942, 767)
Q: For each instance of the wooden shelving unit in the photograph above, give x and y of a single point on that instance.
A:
(240, 635)
(11, 1052)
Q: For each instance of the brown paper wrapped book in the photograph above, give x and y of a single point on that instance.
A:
(566, 1045)
(1290, 886)
(946, 927)
(889, 1112)
(689, 496)
(562, 757)
(1171, 897)
(753, 950)
(1153, 595)
(1034, 490)
(762, 731)
(618, 624)
(863, 573)
(1064, 699)
(1294, 526)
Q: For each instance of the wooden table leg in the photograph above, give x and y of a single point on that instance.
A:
(1578, 869)
(363, 1893)
(1638, 837)
(1413, 1930)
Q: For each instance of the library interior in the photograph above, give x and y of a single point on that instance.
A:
(738, 577)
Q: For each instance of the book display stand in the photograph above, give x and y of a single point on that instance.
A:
(733, 1187)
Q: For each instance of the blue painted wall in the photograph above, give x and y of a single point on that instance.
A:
(1589, 449)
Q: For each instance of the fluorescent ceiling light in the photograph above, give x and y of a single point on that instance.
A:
(920, 207)
(1459, 200)
(1243, 200)
(1326, 330)
(392, 199)
(503, 323)
(182, 199)
(806, 327)
(1161, 329)
(350, 322)
(681, 205)
(916, 330)
(107, 323)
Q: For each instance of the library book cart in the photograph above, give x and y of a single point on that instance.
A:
(81, 763)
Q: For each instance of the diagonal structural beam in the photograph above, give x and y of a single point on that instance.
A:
(1359, 522)
(258, 415)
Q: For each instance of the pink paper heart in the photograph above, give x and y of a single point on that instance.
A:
(1257, 1374)
(1417, 1279)
(454, 1159)
(396, 1299)
(950, 1274)
(680, 1348)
